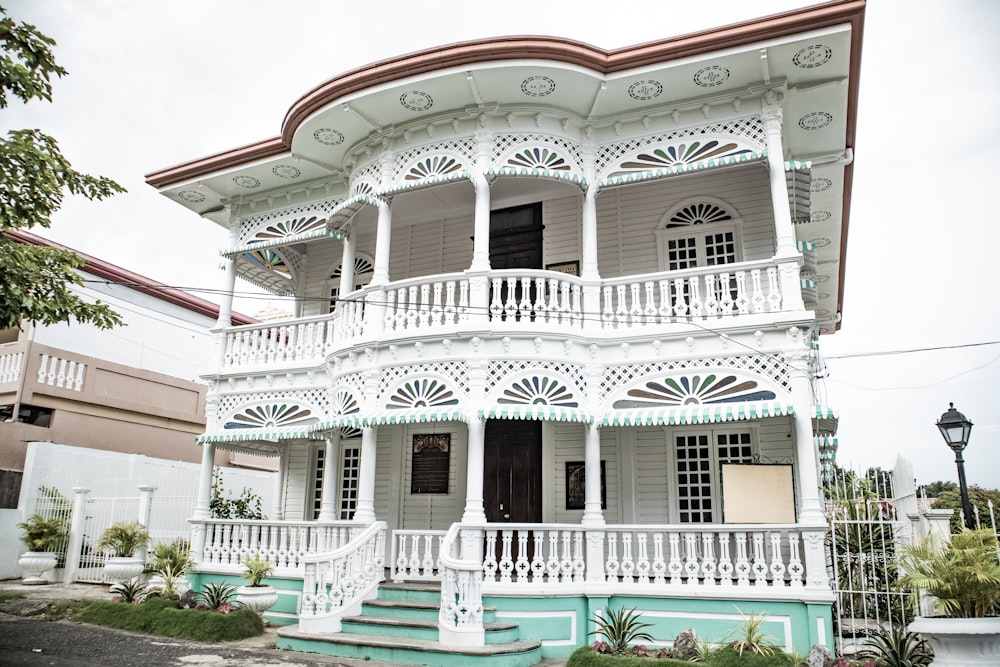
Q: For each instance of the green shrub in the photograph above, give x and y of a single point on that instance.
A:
(585, 657)
(897, 648)
(159, 616)
(729, 656)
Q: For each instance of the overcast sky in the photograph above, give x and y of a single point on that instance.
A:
(153, 84)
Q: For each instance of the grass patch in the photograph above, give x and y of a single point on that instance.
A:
(10, 595)
(157, 616)
(722, 657)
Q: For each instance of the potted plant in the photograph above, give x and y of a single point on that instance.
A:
(44, 538)
(964, 578)
(171, 561)
(122, 540)
(255, 594)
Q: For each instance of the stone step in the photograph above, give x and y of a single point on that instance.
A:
(519, 653)
(495, 632)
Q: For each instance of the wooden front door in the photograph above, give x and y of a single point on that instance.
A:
(512, 475)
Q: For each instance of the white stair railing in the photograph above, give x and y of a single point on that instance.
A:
(460, 621)
(337, 583)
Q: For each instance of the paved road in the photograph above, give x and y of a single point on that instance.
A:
(32, 642)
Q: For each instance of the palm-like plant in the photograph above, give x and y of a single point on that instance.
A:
(256, 570)
(123, 538)
(216, 595)
(895, 647)
(964, 576)
(750, 636)
(621, 628)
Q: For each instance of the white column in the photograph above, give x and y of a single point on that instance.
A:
(788, 255)
(203, 508)
(347, 267)
(328, 505)
(383, 239)
(810, 506)
(592, 515)
(474, 508)
(588, 235)
(278, 512)
(783, 228)
(226, 307)
(481, 229)
(365, 511)
(75, 543)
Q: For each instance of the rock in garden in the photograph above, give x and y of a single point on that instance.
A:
(819, 656)
(686, 644)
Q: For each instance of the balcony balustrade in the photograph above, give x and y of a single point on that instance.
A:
(543, 301)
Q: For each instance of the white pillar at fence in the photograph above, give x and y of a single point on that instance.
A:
(145, 503)
(365, 511)
(328, 505)
(75, 543)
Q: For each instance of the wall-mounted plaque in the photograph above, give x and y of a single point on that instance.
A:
(576, 486)
(431, 463)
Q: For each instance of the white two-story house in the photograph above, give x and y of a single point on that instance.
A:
(557, 312)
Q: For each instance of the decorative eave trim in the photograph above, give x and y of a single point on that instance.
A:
(701, 165)
(283, 241)
(697, 414)
(542, 48)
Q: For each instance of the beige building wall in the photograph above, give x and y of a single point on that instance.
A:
(98, 404)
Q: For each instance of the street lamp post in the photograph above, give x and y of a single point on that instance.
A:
(955, 429)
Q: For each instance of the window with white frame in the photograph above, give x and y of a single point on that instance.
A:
(698, 457)
(348, 469)
(702, 232)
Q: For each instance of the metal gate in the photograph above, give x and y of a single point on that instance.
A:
(862, 544)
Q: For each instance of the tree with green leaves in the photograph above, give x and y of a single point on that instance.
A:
(979, 499)
(35, 280)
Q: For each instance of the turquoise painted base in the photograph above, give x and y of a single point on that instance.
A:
(563, 623)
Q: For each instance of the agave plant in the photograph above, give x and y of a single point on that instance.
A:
(132, 591)
(750, 636)
(216, 595)
(621, 628)
(895, 647)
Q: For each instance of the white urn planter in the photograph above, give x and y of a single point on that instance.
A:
(34, 564)
(961, 642)
(120, 569)
(257, 598)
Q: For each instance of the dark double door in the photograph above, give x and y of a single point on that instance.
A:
(512, 471)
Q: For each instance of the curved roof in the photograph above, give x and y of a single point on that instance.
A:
(550, 50)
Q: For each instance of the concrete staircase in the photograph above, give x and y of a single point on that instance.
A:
(400, 626)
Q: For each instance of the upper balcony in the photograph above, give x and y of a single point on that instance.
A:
(522, 302)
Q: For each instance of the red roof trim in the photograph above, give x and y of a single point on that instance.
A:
(111, 272)
(545, 48)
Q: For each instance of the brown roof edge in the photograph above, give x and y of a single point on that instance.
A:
(113, 273)
(536, 47)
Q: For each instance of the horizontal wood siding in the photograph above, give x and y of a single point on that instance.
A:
(628, 217)
(568, 444)
(434, 511)
(653, 471)
(562, 229)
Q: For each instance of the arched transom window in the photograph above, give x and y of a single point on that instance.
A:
(699, 232)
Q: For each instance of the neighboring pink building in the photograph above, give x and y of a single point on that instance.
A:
(128, 390)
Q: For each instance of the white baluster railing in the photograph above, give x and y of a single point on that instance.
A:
(285, 544)
(415, 555)
(460, 619)
(10, 366)
(716, 291)
(336, 583)
(61, 373)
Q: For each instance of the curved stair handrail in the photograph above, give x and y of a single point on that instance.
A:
(460, 620)
(336, 583)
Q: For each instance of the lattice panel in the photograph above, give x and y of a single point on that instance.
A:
(609, 155)
(355, 383)
(502, 371)
(249, 226)
(454, 372)
(769, 366)
(316, 397)
(368, 179)
(506, 145)
(462, 149)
